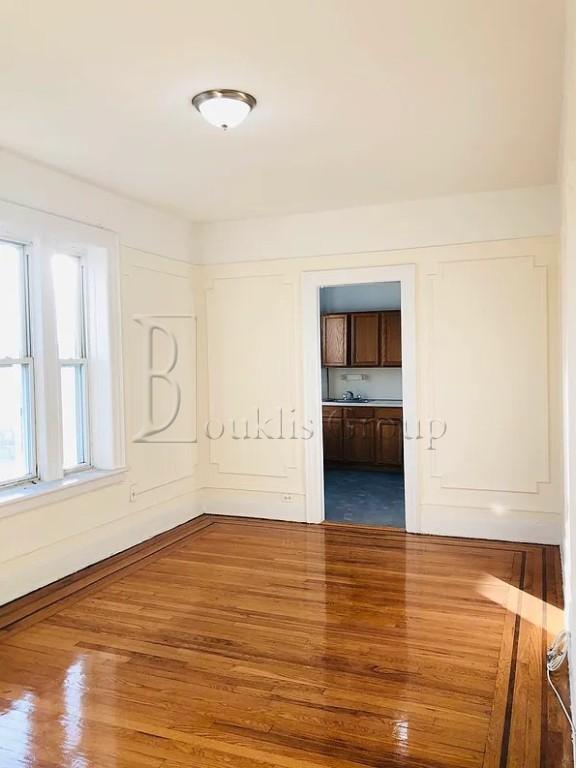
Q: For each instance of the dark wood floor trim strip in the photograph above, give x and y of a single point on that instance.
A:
(544, 712)
(34, 606)
(512, 678)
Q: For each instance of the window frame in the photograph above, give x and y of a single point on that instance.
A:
(26, 360)
(42, 235)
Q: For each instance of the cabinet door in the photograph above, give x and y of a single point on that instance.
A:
(358, 441)
(365, 339)
(334, 340)
(389, 442)
(332, 438)
(391, 334)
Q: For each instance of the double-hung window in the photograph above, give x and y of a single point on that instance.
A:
(69, 303)
(60, 359)
(17, 432)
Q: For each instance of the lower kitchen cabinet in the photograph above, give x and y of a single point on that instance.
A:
(361, 436)
(389, 442)
(358, 441)
(332, 431)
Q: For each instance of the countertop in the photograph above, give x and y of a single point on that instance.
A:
(369, 404)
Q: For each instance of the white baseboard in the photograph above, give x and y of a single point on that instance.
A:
(43, 566)
(268, 506)
(526, 527)
(481, 523)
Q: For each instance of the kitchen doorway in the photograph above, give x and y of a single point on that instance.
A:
(362, 422)
(360, 464)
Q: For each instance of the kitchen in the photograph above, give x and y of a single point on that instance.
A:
(361, 353)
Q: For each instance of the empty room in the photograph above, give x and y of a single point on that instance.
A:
(287, 383)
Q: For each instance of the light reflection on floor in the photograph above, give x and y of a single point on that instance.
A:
(521, 603)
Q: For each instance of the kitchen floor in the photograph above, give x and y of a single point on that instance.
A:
(369, 498)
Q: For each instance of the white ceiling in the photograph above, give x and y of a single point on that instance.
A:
(360, 101)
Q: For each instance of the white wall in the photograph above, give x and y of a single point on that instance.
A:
(378, 383)
(488, 364)
(568, 178)
(42, 544)
(370, 297)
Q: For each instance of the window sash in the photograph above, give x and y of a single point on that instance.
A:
(26, 362)
(82, 424)
(83, 436)
(28, 427)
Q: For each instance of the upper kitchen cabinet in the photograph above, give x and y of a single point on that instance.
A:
(335, 340)
(391, 339)
(362, 340)
(365, 339)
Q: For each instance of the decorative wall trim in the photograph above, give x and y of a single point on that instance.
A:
(434, 274)
(289, 357)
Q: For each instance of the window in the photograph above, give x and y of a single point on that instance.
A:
(17, 447)
(68, 280)
(60, 356)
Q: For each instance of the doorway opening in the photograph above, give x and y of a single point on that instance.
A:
(360, 395)
(362, 421)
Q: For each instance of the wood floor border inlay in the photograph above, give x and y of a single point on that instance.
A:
(512, 675)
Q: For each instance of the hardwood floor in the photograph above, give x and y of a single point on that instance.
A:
(253, 644)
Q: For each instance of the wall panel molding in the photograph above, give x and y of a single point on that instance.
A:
(249, 329)
(499, 375)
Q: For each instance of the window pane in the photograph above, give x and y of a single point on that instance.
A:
(66, 274)
(12, 305)
(15, 423)
(73, 416)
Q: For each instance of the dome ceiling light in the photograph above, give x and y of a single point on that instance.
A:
(223, 107)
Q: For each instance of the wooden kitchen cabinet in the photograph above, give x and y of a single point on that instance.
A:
(334, 340)
(389, 442)
(363, 436)
(362, 340)
(365, 329)
(391, 338)
(358, 441)
(332, 431)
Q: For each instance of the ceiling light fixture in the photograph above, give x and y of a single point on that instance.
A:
(223, 107)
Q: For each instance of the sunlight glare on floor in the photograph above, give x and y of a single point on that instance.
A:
(521, 603)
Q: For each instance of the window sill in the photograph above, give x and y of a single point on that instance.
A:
(20, 498)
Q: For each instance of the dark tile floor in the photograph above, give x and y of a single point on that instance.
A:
(370, 498)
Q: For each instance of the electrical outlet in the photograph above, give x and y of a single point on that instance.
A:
(132, 493)
(287, 498)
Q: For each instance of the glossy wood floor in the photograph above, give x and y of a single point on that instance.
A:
(255, 644)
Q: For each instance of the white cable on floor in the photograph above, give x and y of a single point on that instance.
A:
(555, 657)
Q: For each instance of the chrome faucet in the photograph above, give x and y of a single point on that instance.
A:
(348, 395)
